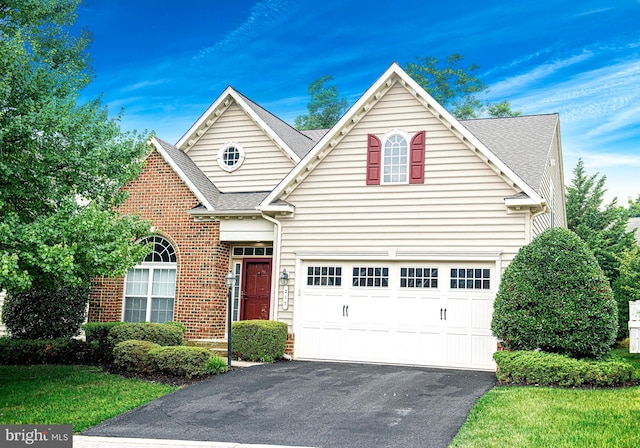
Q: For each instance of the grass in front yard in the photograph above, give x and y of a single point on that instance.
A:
(555, 417)
(79, 395)
(547, 417)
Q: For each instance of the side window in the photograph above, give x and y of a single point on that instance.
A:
(150, 286)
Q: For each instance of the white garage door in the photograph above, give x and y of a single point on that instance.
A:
(418, 313)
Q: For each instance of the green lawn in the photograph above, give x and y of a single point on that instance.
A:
(79, 395)
(554, 417)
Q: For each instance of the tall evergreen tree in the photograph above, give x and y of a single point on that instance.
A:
(602, 227)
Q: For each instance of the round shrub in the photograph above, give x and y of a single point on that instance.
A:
(43, 314)
(554, 297)
(259, 340)
(134, 356)
(181, 360)
(161, 334)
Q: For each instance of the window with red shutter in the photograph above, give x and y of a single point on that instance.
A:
(416, 164)
(374, 160)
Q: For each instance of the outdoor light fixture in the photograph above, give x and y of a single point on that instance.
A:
(229, 280)
(284, 277)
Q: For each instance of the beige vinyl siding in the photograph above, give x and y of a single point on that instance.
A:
(460, 207)
(552, 173)
(264, 166)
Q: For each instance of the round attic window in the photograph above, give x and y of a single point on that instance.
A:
(230, 156)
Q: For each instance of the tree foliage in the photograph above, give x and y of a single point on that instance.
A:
(602, 227)
(325, 107)
(62, 162)
(456, 88)
(634, 207)
(627, 287)
(554, 297)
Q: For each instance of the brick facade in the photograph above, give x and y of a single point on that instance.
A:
(160, 196)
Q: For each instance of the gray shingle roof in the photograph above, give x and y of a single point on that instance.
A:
(191, 170)
(299, 143)
(522, 143)
(240, 201)
(315, 134)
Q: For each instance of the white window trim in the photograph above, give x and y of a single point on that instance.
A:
(151, 267)
(221, 152)
(386, 137)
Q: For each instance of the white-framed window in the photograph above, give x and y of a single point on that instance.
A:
(418, 277)
(230, 156)
(470, 278)
(395, 157)
(324, 276)
(149, 291)
(371, 277)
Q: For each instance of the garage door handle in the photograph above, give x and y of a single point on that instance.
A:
(443, 312)
(343, 307)
(440, 313)
(345, 310)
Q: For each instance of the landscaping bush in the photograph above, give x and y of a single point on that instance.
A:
(42, 351)
(550, 369)
(97, 336)
(554, 297)
(161, 334)
(181, 360)
(259, 340)
(216, 364)
(43, 314)
(134, 356)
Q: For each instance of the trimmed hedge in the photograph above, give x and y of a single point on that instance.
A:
(554, 297)
(551, 369)
(97, 336)
(181, 360)
(134, 356)
(259, 340)
(43, 351)
(161, 334)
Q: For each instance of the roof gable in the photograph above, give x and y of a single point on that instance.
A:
(292, 142)
(391, 77)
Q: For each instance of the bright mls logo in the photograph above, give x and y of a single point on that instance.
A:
(36, 436)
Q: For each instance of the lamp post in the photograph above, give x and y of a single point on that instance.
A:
(229, 280)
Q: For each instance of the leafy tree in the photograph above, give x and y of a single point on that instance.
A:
(634, 207)
(554, 297)
(325, 107)
(456, 88)
(602, 227)
(627, 287)
(61, 163)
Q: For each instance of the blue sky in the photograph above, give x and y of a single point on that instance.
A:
(165, 62)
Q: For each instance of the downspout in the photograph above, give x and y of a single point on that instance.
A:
(275, 275)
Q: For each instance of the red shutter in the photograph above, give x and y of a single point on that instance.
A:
(416, 159)
(374, 160)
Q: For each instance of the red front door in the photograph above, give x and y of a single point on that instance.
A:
(256, 291)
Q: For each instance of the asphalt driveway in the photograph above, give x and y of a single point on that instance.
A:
(313, 404)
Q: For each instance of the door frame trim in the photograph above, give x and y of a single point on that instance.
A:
(246, 261)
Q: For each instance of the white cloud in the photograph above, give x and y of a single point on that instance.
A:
(261, 14)
(519, 82)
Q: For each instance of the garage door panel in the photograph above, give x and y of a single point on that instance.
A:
(396, 323)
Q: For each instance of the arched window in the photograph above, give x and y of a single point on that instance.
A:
(150, 287)
(395, 158)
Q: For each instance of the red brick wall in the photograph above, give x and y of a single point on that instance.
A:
(161, 197)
